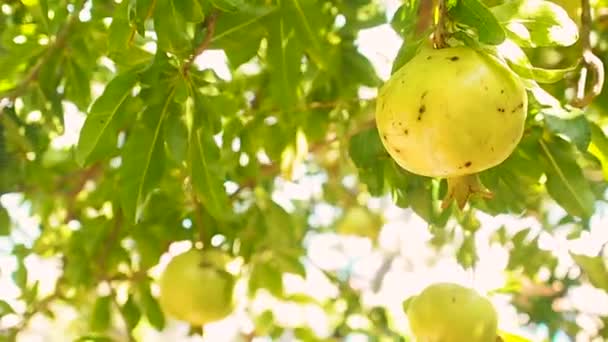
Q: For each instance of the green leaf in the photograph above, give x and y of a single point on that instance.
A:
(406, 52)
(565, 180)
(171, 29)
(119, 34)
(307, 18)
(78, 87)
(144, 9)
(519, 62)
(284, 57)
(290, 264)
(176, 135)
(264, 276)
(5, 222)
(5, 308)
(131, 313)
(366, 149)
(20, 274)
(595, 268)
(208, 175)
(191, 10)
(599, 146)
(143, 159)
(98, 136)
(239, 33)
(534, 23)
(475, 14)
(151, 307)
(405, 19)
(101, 318)
(227, 5)
(360, 69)
(577, 129)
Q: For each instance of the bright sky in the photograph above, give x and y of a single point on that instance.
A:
(405, 236)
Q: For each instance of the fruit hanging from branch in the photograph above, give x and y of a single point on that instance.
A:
(196, 288)
(452, 113)
(449, 312)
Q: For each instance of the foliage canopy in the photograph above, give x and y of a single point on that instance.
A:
(172, 149)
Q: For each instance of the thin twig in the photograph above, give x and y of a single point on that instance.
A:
(591, 63)
(440, 32)
(210, 25)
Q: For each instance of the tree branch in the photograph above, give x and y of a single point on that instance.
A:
(591, 63)
(210, 25)
(440, 32)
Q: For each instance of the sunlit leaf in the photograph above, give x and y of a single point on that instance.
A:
(594, 268)
(101, 317)
(535, 23)
(98, 136)
(143, 159)
(565, 180)
(475, 14)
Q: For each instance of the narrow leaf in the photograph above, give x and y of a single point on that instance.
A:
(307, 18)
(170, 27)
(599, 147)
(366, 148)
(595, 268)
(576, 129)
(207, 175)
(519, 62)
(102, 314)
(131, 313)
(5, 222)
(143, 159)
(565, 180)
(284, 59)
(97, 135)
(151, 307)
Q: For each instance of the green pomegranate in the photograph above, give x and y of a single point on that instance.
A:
(446, 312)
(451, 113)
(196, 288)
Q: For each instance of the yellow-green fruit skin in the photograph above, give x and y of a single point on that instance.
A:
(445, 312)
(451, 112)
(196, 289)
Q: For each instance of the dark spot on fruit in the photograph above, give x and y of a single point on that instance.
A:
(502, 91)
(102, 120)
(502, 110)
(423, 95)
(428, 57)
(454, 58)
(406, 131)
(453, 299)
(397, 150)
(485, 87)
(383, 105)
(384, 136)
(467, 164)
(519, 106)
(492, 148)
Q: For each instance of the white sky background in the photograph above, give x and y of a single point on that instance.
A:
(405, 235)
